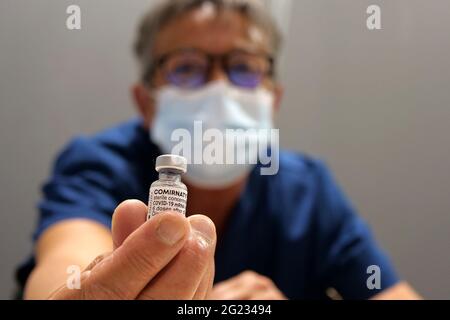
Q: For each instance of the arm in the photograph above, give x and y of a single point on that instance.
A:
(72, 242)
(168, 257)
(73, 229)
(348, 248)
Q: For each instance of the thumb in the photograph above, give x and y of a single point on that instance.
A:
(127, 217)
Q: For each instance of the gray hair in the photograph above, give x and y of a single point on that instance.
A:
(167, 10)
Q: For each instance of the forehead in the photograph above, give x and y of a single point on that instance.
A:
(214, 31)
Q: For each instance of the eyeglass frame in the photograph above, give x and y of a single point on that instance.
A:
(159, 62)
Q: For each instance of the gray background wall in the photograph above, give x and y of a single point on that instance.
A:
(374, 104)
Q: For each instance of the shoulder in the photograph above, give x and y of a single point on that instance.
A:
(300, 170)
(114, 146)
(114, 161)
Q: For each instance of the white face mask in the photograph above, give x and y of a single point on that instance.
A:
(220, 106)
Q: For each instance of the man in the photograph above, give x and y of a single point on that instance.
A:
(288, 235)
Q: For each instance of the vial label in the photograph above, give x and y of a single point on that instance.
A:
(163, 199)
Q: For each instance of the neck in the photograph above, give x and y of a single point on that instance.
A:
(216, 204)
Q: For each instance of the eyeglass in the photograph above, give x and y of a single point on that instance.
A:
(191, 68)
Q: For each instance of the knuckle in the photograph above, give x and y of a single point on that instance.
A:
(197, 253)
(265, 282)
(257, 281)
(97, 260)
(250, 276)
(142, 265)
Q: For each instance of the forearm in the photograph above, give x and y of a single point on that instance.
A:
(48, 277)
(73, 243)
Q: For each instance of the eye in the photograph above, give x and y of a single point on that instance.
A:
(242, 68)
(243, 75)
(187, 75)
(188, 69)
(244, 62)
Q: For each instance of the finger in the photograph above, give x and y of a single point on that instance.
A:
(239, 287)
(126, 272)
(234, 293)
(127, 217)
(207, 281)
(268, 295)
(225, 288)
(64, 293)
(205, 287)
(262, 296)
(182, 277)
(96, 261)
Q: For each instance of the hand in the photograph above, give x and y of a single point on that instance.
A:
(247, 286)
(168, 257)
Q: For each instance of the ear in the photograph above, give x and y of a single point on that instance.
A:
(279, 94)
(144, 103)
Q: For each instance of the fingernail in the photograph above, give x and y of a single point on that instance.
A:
(204, 230)
(170, 231)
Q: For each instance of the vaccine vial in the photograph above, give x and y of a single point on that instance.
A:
(168, 193)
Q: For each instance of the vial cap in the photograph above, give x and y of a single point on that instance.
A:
(171, 162)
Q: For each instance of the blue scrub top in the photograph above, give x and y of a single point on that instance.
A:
(296, 227)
